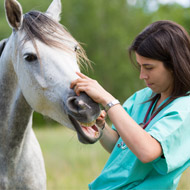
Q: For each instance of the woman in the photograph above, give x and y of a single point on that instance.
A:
(150, 137)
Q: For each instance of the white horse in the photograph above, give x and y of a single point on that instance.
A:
(37, 64)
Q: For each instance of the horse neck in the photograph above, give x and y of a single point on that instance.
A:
(15, 113)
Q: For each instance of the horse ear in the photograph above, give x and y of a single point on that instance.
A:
(54, 10)
(14, 13)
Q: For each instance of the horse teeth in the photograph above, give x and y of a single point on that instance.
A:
(96, 134)
(88, 124)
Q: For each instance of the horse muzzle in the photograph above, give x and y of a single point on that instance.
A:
(83, 112)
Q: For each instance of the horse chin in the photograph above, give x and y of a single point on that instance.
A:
(88, 134)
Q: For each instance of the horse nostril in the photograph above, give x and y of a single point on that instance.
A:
(72, 103)
(82, 108)
(76, 105)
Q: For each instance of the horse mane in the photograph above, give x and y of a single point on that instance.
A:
(39, 26)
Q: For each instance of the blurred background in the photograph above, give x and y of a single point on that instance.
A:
(106, 29)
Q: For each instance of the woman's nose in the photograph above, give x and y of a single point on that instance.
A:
(143, 74)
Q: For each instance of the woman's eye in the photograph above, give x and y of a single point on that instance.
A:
(30, 57)
(149, 68)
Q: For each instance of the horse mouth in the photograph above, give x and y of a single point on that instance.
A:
(88, 133)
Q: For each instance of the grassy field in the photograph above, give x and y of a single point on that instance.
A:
(71, 165)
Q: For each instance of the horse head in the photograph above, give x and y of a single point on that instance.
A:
(45, 59)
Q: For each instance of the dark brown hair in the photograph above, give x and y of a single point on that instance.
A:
(168, 42)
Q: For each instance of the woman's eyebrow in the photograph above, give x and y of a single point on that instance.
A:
(147, 64)
(144, 64)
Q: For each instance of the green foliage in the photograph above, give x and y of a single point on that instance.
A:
(41, 120)
(107, 28)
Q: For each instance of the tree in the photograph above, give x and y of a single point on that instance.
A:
(107, 28)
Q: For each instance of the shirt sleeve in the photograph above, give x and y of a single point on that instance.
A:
(173, 133)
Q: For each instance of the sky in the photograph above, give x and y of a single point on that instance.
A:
(185, 3)
(153, 5)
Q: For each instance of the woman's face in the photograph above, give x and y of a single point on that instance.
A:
(155, 75)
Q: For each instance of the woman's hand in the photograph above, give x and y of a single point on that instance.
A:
(92, 88)
(100, 121)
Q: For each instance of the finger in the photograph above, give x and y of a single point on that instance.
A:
(75, 82)
(103, 113)
(79, 89)
(82, 75)
(80, 85)
(100, 120)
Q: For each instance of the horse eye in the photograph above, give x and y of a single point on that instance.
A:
(30, 57)
(77, 48)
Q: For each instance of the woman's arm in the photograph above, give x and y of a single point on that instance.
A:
(141, 143)
(109, 138)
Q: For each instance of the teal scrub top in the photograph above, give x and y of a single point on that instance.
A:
(171, 127)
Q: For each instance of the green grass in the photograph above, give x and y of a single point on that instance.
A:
(184, 183)
(71, 165)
